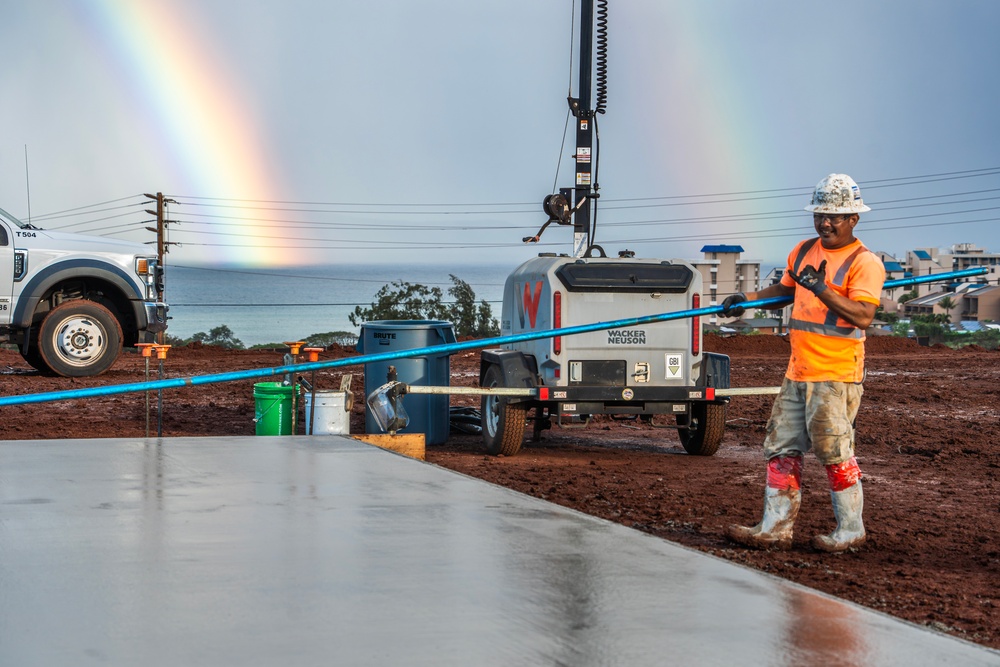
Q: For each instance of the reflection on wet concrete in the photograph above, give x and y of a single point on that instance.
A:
(298, 550)
(824, 627)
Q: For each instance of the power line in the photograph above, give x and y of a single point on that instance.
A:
(58, 214)
(878, 183)
(272, 274)
(200, 226)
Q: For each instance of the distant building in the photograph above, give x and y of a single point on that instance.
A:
(963, 256)
(969, 301)
(972, 300)
(894, 270)
(764, 325)
(724, 273)
(982, 304)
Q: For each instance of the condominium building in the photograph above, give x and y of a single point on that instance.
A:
(723, 272)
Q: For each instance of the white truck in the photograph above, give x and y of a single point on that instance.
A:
(70, 302)
(649, 371)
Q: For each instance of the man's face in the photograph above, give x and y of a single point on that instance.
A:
(835, 231)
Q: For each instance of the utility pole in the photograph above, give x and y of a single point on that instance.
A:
(162, 245)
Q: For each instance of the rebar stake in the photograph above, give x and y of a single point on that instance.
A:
(161, 354)
(291, 359)
(313, 353)
(146, 349)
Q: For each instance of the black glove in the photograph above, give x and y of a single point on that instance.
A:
(812, 279)
(731, 307)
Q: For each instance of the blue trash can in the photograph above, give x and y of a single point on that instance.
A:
(429, 414)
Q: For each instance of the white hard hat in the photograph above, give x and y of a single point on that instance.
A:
(837, 193)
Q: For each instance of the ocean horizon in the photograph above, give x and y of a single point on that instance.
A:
(272, 305)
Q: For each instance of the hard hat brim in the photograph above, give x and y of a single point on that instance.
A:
(837, 210)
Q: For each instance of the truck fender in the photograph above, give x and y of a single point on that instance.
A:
(41, 282)
(518, 369)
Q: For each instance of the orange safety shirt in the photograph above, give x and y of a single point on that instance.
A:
(824, 346)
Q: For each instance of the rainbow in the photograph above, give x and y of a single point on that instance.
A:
(207, 131)
(705, 139)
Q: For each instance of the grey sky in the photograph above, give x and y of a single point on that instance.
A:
(445, 117)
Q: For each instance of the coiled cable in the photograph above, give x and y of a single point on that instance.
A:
(602, 56)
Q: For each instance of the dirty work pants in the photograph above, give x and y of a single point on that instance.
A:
(814, 415)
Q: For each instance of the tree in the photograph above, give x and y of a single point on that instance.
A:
(331, 338)
(401, 300)
(948, 304)
(888, 318)
(929, 326)
(469, 319)
(221, 336)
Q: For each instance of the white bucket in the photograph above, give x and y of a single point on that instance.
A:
(333, 412)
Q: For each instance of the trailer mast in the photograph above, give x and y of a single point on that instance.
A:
(583, 111)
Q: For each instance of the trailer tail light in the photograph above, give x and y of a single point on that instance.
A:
(696, 326)
(557, 321)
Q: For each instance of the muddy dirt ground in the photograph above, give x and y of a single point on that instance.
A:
(928, 444)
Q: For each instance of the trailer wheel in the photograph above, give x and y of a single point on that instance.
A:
(703, 437)
(79, 338)
(503, 421)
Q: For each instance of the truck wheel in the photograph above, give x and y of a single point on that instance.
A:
(79, 338)
(704, 440)
(503, 421)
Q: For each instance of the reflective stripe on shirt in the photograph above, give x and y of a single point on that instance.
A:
(826, 329)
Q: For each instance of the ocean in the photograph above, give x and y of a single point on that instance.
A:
(280, 304)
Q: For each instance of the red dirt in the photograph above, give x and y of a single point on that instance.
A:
(927, 433)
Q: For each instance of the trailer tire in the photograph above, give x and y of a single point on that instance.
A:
(710, 426)
(79, 338)
(503, 421)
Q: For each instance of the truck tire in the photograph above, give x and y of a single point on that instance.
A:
(704, 440)
(79, 338)
(503, 421)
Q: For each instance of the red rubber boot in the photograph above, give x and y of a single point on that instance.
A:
(848, 503)
(782, 497)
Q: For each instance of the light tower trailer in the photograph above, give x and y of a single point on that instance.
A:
(651, 370)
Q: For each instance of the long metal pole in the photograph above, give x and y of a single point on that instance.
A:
(584, 133)
(518, 391)
(434, 350)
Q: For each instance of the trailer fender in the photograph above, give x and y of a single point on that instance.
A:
(714, 371)
(519, 370)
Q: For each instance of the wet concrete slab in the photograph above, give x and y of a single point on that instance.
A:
(309, 551)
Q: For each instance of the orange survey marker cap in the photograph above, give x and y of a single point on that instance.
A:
(295, 346)
(161, 351)
(146, 348)
(313, 353)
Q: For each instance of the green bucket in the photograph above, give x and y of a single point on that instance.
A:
(275, 408)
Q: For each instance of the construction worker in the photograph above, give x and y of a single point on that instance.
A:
(836, 283)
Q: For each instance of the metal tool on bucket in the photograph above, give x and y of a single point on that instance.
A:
(386, 404)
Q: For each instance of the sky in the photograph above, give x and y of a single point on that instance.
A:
(398, 131)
